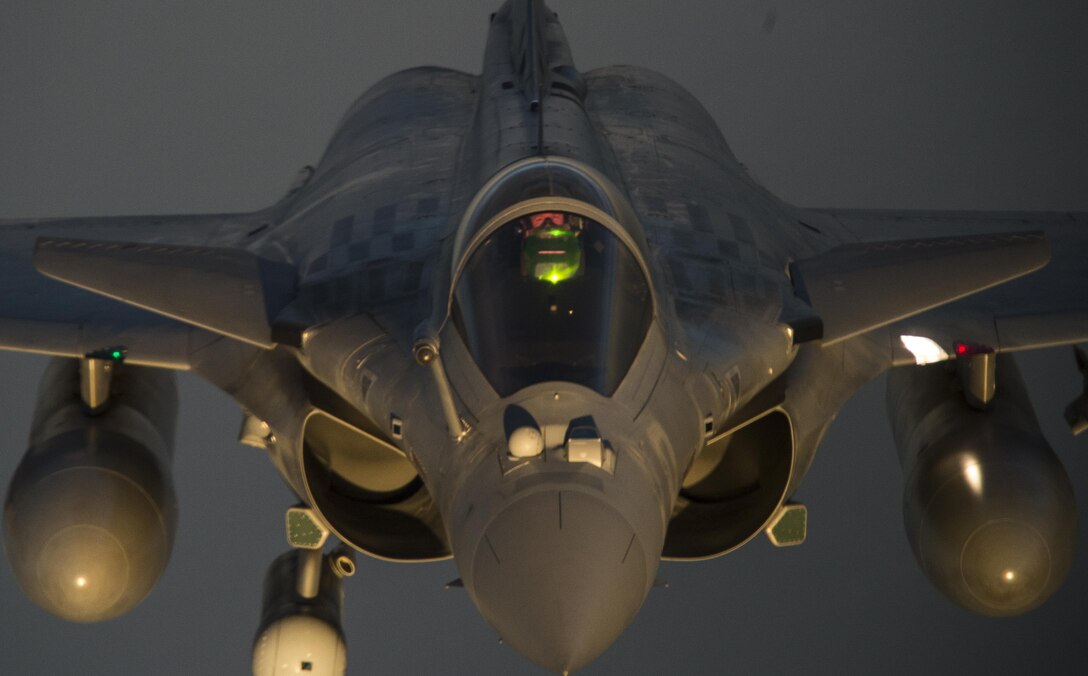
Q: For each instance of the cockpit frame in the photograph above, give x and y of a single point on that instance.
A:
(610, 211)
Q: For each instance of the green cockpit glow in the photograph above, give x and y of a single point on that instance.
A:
(552, 254)
(555, 272)
(552, 295)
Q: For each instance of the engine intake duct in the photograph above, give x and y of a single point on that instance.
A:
(90, 513)
(368, 492)
(988, 507)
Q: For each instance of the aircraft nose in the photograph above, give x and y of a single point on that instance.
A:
(559, 574)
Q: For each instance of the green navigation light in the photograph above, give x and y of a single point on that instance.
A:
(113, 354)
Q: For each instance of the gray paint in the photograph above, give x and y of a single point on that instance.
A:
(828, 102)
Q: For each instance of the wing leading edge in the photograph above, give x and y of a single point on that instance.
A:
(228, 291)
(855, 288)
(45, 316)
(1046, 308)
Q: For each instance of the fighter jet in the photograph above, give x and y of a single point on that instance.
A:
(543, 322)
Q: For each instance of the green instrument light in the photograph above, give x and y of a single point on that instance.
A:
(552, 255)
(117, 354)
(556, 272)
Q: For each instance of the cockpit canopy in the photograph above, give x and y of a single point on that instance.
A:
(552, 295)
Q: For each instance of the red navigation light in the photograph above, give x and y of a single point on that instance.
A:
(970, 349)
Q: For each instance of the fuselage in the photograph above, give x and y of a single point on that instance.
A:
(401, 394)
(422, 170)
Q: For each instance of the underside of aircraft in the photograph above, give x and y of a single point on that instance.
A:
(544, 323)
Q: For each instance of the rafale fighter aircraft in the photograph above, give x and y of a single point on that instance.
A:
(543, 322)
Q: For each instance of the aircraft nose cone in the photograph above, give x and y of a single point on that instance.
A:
(560, 575)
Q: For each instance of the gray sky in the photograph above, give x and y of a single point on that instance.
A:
(127, 108)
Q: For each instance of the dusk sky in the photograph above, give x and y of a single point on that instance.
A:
(114, 108)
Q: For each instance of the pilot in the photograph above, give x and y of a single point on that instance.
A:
(551, 248)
